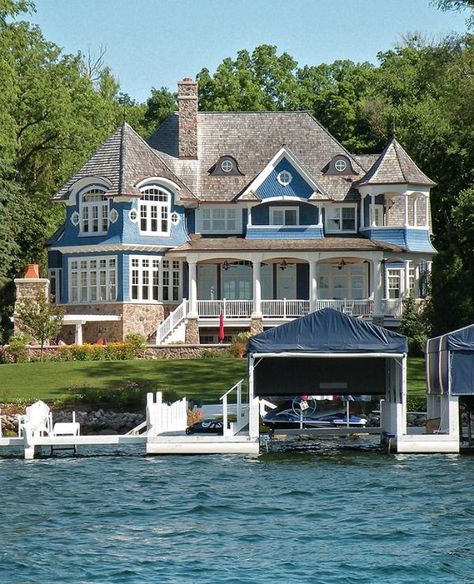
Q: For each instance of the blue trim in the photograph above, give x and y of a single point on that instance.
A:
(405, 237)
(284, 232)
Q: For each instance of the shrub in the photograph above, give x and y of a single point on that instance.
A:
(136, 343)
(239, 344)
(18, 348)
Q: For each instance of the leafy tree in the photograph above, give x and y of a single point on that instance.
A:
(415, 325)
(40, 318)
(159, 106)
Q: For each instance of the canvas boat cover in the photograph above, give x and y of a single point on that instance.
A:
(328, 331)
(450, 363)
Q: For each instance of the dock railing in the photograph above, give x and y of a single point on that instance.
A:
(163, 417)
(242, 411)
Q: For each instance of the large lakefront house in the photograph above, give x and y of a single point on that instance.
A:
(259, 216)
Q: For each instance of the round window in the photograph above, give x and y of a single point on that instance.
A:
(174, 218)
(227, 165)
(284, 178)
(340, 165)
(133, 215)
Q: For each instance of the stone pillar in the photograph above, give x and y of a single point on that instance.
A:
(256, 324)
(192, 289)
(313, 286)
(192, 331)
(188, 110)
(28, 286)
(257, 290)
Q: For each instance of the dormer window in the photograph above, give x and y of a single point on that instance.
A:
(340, 165)
(154, 211)
(94, 212)
(226, 166)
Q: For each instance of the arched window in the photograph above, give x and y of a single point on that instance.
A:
(154, 211)
(94, 212)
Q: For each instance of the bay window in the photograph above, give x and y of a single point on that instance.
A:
(93, 279)
(154, 279)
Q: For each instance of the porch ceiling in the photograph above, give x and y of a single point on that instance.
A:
(343, 244)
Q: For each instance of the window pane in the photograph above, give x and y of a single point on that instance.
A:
(290, 217)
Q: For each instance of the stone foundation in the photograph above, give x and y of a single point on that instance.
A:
(192, 331)
(136, 318)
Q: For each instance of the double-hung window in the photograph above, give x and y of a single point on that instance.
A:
(341, 219)
(93, 279)
(220, 220)
(94, 212)
(393, 283)
(284, 216)
(154, 211)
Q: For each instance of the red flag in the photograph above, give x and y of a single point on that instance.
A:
(221, 334)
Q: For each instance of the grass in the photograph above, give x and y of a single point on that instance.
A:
(199, 379)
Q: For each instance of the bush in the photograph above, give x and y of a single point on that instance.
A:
(136, 343)
(238, 347)
(18, 348)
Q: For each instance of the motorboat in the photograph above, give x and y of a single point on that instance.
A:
(304, 413)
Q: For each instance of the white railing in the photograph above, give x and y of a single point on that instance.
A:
(284, 308)
(171, 322)
(353, 307)
(242, 411)
(229, 308)
(162, 417)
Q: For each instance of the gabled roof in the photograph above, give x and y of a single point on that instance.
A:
(394, 166)
(328, 331)
(253, 138)
(283, 153)
(124, 159)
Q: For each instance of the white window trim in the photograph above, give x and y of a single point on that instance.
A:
(200, 219)
(275, 209)
(56, 275)
(347, 271)
(159, 205)
(380, 209)
(88, 270)
(326, 218)
(89, 205)
(398, 273)
(161, 286)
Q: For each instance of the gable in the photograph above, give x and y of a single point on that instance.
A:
(275, 186)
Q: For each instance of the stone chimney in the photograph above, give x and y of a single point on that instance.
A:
(188, 109)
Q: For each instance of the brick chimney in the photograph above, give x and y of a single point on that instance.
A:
(188, 109)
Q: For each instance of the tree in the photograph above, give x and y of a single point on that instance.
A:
(40, 318)
(414, 324)
(159, 106)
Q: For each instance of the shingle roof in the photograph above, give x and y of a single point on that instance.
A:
(200, 244)
(253, 138)
(394, 166)
(124, 159)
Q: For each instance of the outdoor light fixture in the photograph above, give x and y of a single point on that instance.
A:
(225, 265)
(283, 265)
(341, 264)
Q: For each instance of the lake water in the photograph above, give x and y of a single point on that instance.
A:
(323, 515)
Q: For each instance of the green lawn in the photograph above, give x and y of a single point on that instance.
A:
(199, 379)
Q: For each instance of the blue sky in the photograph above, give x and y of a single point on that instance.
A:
(153, 43)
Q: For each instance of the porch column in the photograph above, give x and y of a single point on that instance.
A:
(320, 216)
(406, 287)
(416, 289)
(78, 335)
(372, 210)
(362, 217)
(313, 286)
(249, 216)
(257, 289)
(377, 286)
(192, 264)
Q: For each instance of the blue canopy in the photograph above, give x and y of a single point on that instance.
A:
(450, 362)
(328, 331)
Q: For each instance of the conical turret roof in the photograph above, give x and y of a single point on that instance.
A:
(124, 159)
(394, 166)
